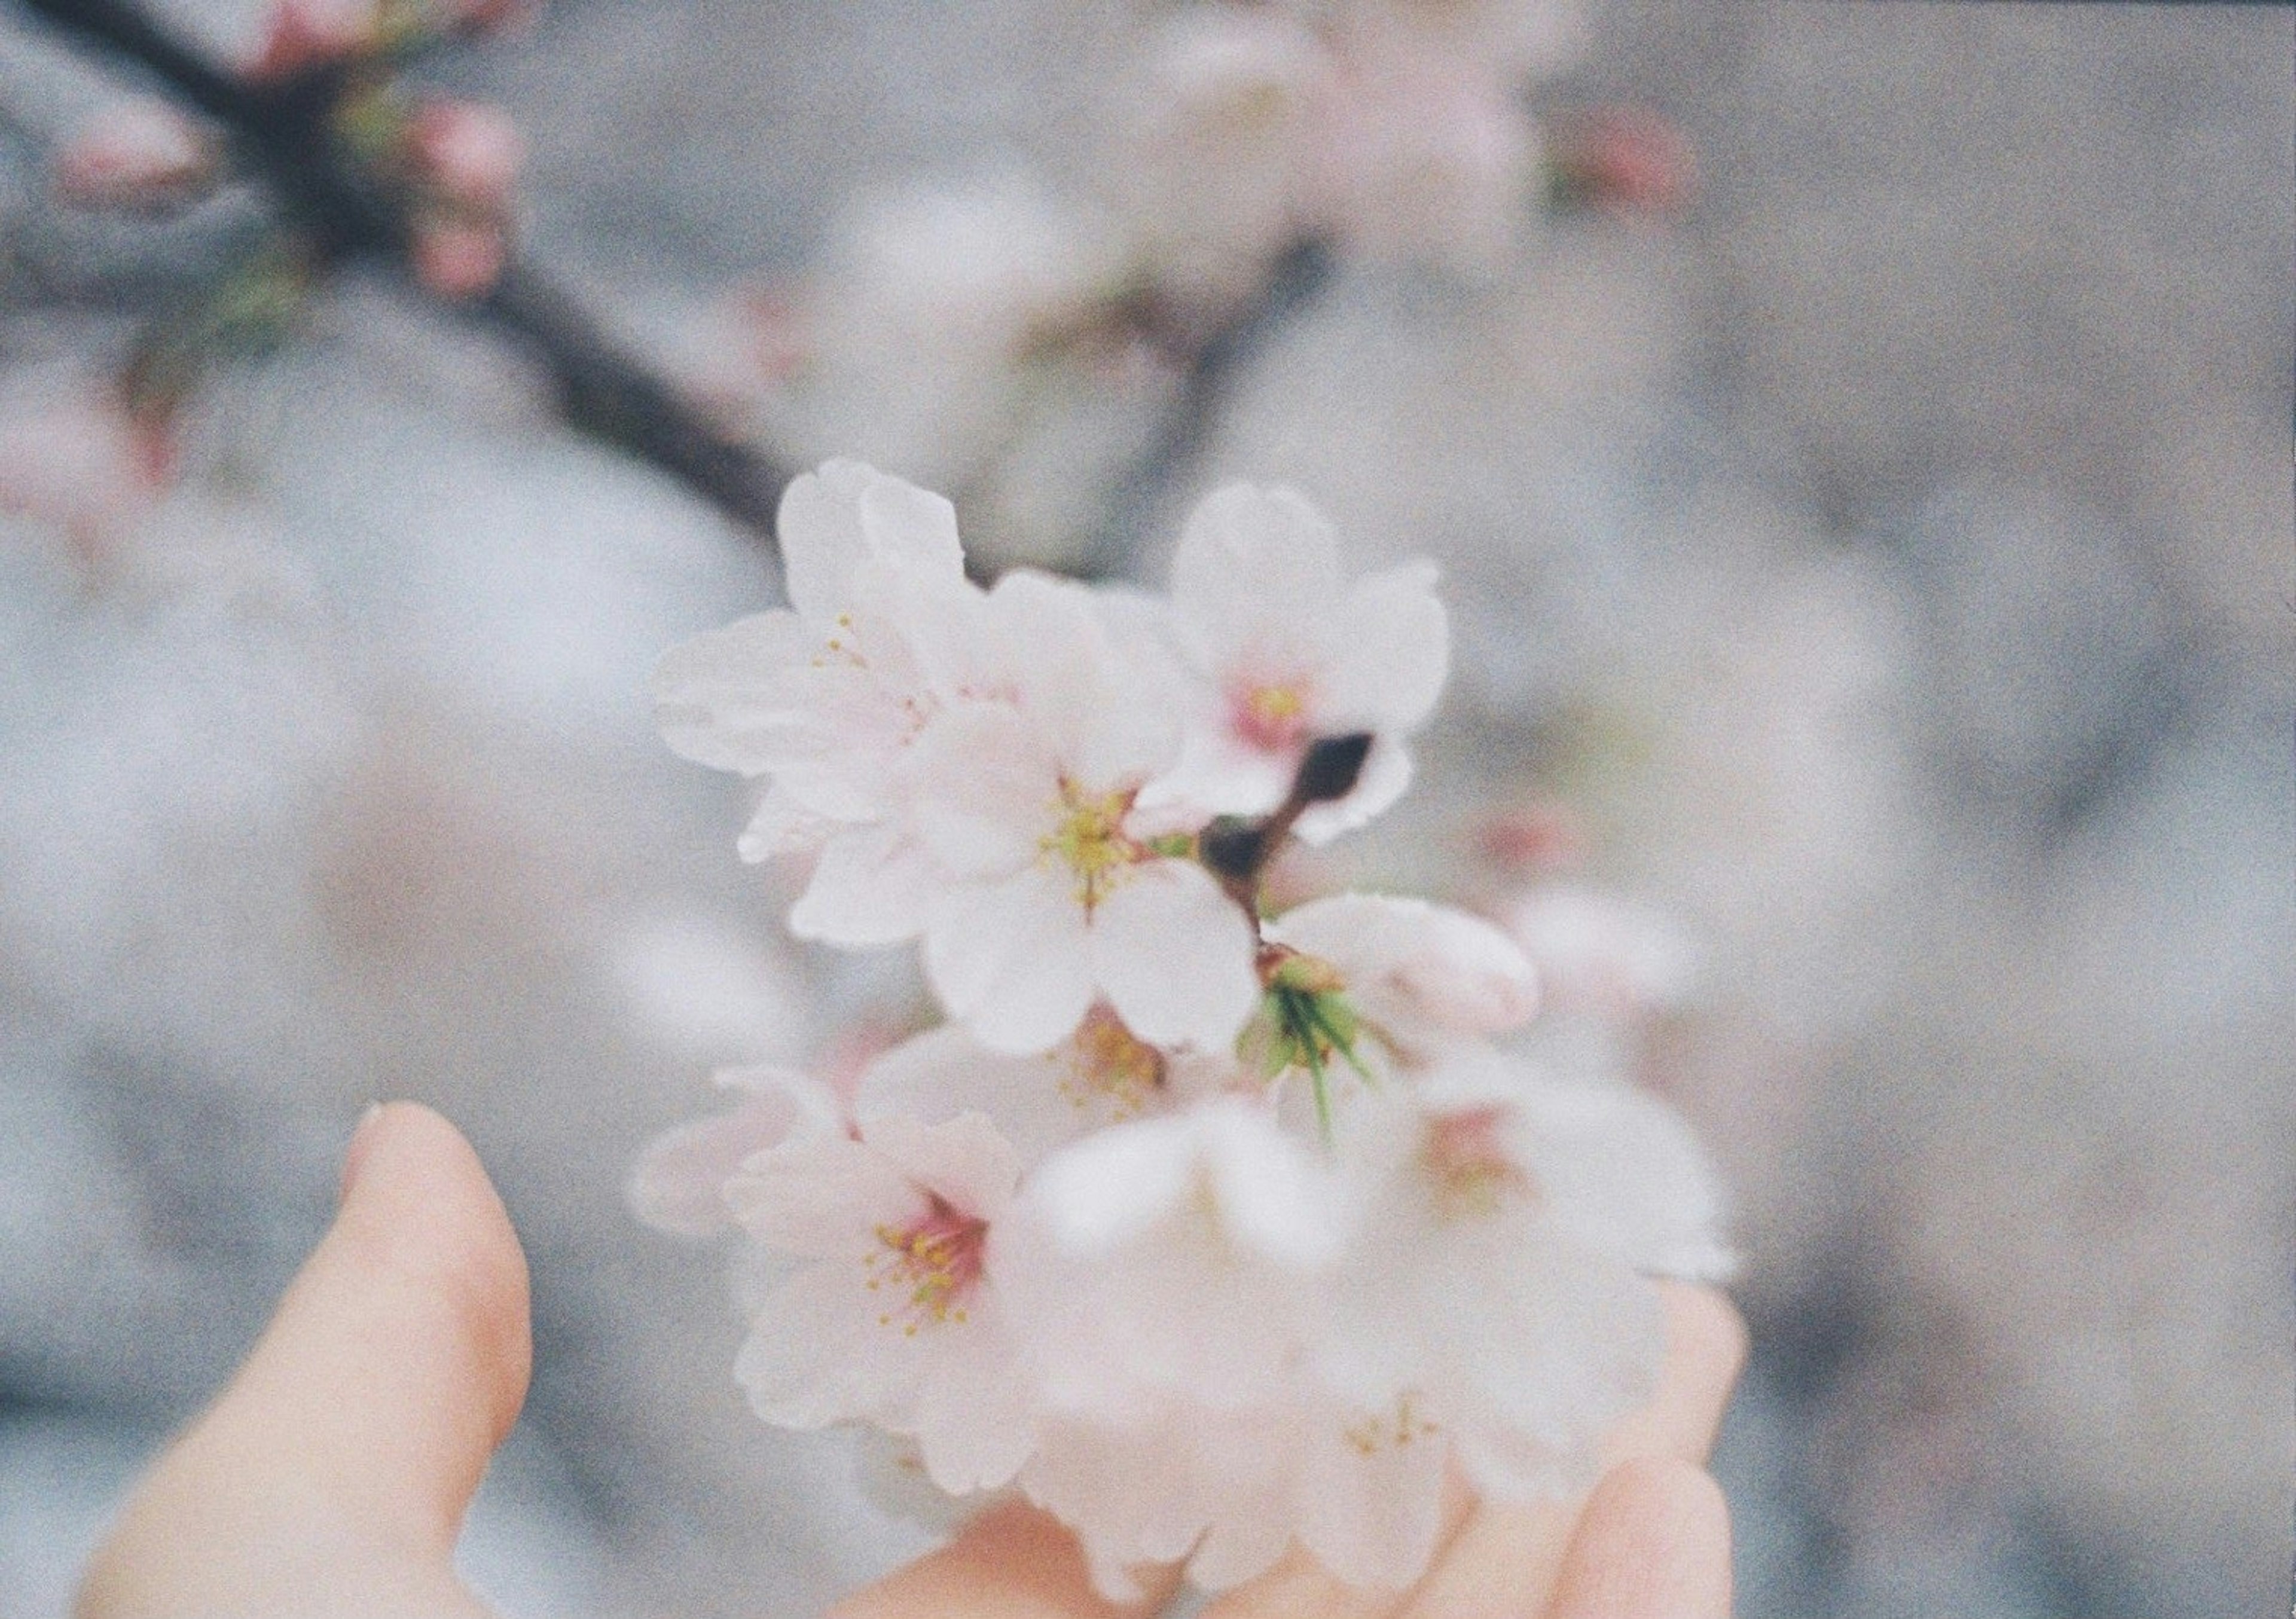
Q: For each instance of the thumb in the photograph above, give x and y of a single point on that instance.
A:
(333, 1474)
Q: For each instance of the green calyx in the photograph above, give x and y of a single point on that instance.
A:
(1305, 1021)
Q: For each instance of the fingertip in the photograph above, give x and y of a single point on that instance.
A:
(421, 1219)
(1653, 1543)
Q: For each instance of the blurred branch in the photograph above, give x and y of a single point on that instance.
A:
(285, 134)
(1212, 365)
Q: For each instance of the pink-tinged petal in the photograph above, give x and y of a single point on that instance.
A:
(1039, 1103)
(679, 1183)
(818, 1353)
(833, 520)
(1111, 1188)
(1623, 1173)
(1394, 644)
(1405, 962)
(963, 1161)
(1176, 956)
(985, 792)
(1062, 660)
(1386, 773)
(1250, 557)
(726, 698)
(873, 885)
(781, 826)
(1010, 960)
(974, 1425)
(821, 1196)
(1372, 1507)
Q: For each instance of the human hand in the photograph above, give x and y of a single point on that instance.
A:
(332, 1477)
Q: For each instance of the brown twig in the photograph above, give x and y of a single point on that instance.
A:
(284, 135)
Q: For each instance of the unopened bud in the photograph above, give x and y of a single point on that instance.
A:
(459, 258)
(468, 153)
(139, 156)
(1625, 160)
(300, 35)
(1331, 767)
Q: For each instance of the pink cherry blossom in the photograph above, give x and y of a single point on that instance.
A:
(679, 1184)
(134, 155)
(1102, 1073)
(824, 698)
(467, 152)
(1060, 893)
(899, 1320)
(1288, 650)
(1418, 972)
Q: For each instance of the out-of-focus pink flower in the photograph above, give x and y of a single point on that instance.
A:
(460, 259)
(1536, 838)
(467, 152)
(139, 155)
(78, 460)
(300, 35)
(1628, 160)
(1420, 153)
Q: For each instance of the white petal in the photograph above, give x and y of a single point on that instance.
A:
(679, 1183)
(1372, 1506)
(726, 699)
(834, 520)
(963, 1161)
(974, 1425)
(1249, 555)
(984, 790)
(1009, 959)
(1623, 1173)
(1405, 962)
(1175, 955)
(1395, 653)
(871, 885)
(1108, 1188)
(943, 1072)
(781, 826)
(817, 1353)
(820, 1197)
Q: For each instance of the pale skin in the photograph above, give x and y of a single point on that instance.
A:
(331, 1479)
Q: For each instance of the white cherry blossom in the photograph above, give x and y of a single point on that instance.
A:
(1288, 650)
(1526, 1219)
(822, 699)
(898, 1320)
(1101, 1074)
(1060, 892)
(679, 1183)
(1176, 1257)
(1421, 974)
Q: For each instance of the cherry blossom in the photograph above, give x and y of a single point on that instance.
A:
(679, 1184)
(1287, 650)
(898, 1320)
(824, 698)
(136, 155)
(1062, 889)
(1527, 1220)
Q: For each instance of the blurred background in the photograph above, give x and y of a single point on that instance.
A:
(1857, 440)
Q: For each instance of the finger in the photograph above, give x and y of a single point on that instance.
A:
(358, 1428)
(1505, 1562)
(1299, 1586)
(1013, 1562)
(1655, 1544)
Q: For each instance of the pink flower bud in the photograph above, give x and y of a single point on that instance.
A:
(1628, 161)
(459, 258)
(469, 153)
(300, 35)
(140, 156)
(495, 16)
(73, 458)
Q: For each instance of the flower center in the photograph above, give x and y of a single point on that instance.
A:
(1475, 1176)
(1108, 1060)
(1271, 715)
(935, 1259)
(1390, 1430)
(1089, 840)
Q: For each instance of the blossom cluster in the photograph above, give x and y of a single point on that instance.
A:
(1209, 1226)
